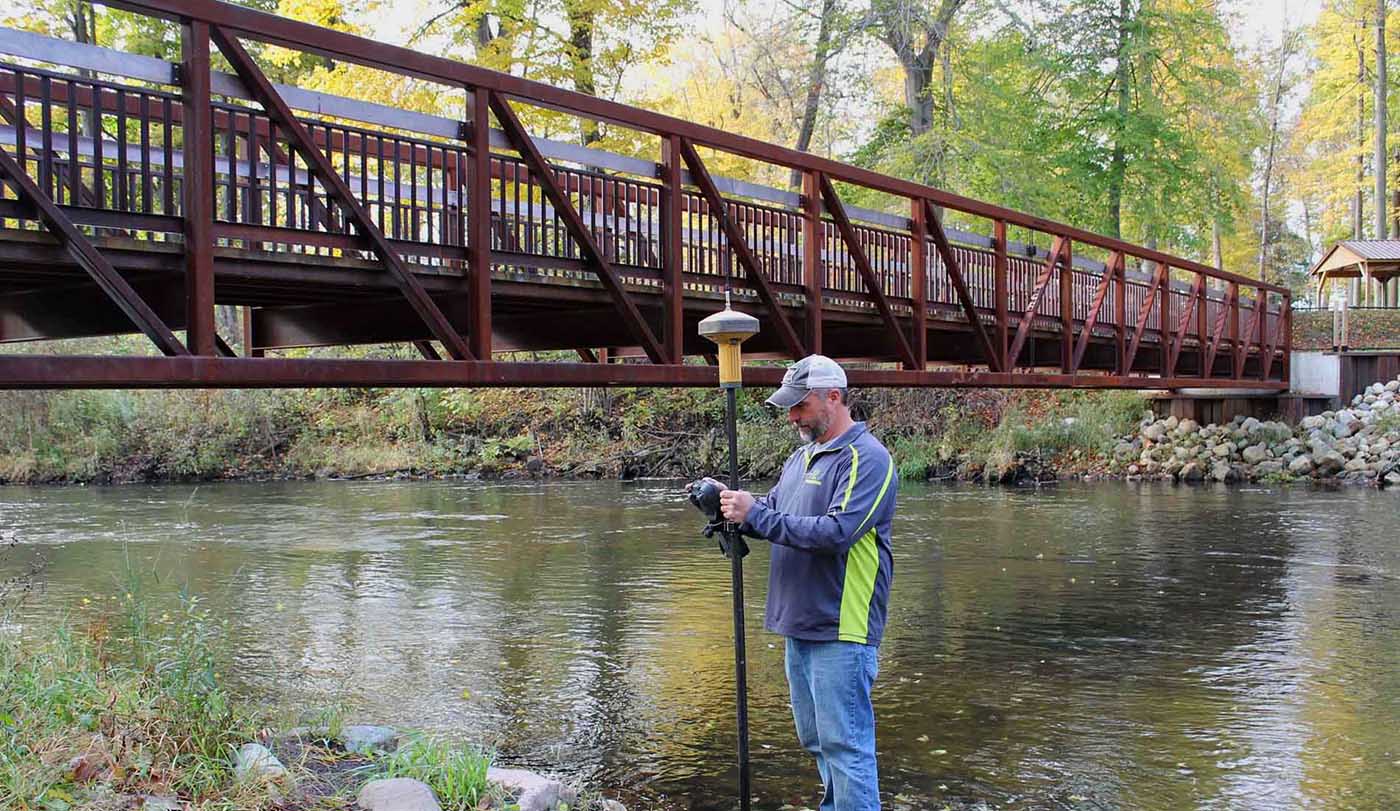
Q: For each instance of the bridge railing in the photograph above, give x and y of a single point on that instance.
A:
(114, 155)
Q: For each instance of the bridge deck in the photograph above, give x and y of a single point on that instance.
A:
(352, 223)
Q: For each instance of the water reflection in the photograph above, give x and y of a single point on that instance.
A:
(1078, 647)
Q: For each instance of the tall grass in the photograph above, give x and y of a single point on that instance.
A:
(130, 692)
(456, 773)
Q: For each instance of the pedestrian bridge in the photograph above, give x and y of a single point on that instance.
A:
(144, 196)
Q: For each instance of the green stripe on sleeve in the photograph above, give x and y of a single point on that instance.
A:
(851, 483)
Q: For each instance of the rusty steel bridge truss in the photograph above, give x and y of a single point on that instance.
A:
(139, 194)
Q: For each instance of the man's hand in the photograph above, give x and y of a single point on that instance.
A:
(735, 505)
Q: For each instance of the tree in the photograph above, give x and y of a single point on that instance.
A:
(588, 45)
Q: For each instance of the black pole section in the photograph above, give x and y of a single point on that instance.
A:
(736, 568)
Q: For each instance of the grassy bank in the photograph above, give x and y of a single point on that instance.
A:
(123, 706)
(121, 436)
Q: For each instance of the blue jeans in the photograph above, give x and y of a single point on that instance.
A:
(830, 688)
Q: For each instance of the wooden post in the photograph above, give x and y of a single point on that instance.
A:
(198, 195)
(1067, 309)
(1120, 305)
(1202, 328)
(1001, 292)
(1165, 332)
(1287, 316)
(479, 226)
(813, 233)
(672, 251)
(918, 258)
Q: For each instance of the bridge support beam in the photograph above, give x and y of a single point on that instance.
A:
(549, 184)
(87, 257)
(258, 85)
(955, 275)
(1057, 251)
(867, 273)
(700, 176)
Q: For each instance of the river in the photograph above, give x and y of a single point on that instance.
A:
(1079, 646)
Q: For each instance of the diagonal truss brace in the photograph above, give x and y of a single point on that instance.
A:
(1242, 344)
(87, 257)
(867, 274)
(1160, 280)
(1112, 271)
(1057, 251)
(1182, 323)
(1218, 329)
(520, 140)
(954, 270)
(700, 176)
(261, 89)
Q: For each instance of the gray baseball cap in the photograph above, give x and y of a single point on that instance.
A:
(812, 372)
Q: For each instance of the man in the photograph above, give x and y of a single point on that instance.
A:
(828, 520)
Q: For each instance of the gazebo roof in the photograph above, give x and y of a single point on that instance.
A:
(1349, 258)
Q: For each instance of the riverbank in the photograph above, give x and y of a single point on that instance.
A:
(105, 437)
(1359, 444)
(124, 707)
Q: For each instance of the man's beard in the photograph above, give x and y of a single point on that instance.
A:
(810, 434)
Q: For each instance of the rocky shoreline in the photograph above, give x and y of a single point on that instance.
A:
(1358, 445)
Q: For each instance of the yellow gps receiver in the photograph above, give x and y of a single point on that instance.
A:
(728, 329)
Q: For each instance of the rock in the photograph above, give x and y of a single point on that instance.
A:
(158, 802)
(535, 792)
(1312, 423)
(256, 762)
(1392, 479)
(1155, 432)
(1300, 466)
(613, 805)
(1223, 472)
(1193, 472)
(396, 794)
(1272, 467)
(1328, 464)
(1255, 454)
(1189, 427)
(1250, 425)
(1134, 470)
(1393, 385)
(1224, 450)
(1342, 430)
(1124, 451)
(364, 738)
(1170, 423)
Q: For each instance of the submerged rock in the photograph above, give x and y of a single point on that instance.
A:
(396, 794)
(365, 738)
(535, 791)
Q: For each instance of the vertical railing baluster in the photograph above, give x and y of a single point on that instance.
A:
(21, 123)
(145, 116)
(46, 172)
(120, 180)
(75, 164)
(167, 114)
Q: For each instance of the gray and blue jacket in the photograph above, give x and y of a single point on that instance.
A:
(828, 519)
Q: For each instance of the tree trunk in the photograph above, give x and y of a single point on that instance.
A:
(816, 81)
(1381, 163)
(918, 77)
(1118, 164)
(1357, 203)
(581, 21)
